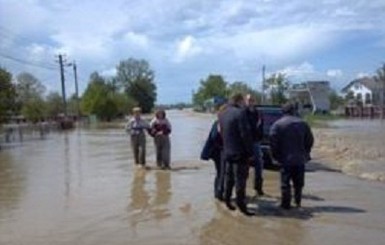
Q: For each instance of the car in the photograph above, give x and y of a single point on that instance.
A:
(270, 114)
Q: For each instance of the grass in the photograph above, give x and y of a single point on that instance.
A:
(320, 120)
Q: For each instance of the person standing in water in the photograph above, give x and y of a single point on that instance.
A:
(160, 130)
(136, 127)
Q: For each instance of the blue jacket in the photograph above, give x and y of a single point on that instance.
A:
(291, 140)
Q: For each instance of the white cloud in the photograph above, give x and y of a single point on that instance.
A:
(109, 72)
(136, 39)
(186, 48)
(301, 70)
(334, 73)
(362, 74)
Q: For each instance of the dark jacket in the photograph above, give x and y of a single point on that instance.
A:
(291, 140)
(235, 131)
(255, 123)
(213, 145)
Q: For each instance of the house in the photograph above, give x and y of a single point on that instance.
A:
(311, 95)
(364, 90)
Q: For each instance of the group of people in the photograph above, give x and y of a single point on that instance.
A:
(159, 128)
(234, 144)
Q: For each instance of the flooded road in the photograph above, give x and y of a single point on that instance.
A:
(80, 187)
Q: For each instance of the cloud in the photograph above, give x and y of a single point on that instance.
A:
(334, 73)
(301, 70)
(186, 48)
(136, 39)
(362, 74)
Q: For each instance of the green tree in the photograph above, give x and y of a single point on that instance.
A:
(7, 94)
(100, 99)
(30, 92)
(380, 79)
(336, 100)
(137, 79)
(54, 104)
(243, 88)
(278, 85)
(34, 109)
(28, 87)
(214, 85)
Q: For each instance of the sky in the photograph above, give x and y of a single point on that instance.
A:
(185, 41)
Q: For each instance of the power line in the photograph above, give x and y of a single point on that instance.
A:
(26, 62)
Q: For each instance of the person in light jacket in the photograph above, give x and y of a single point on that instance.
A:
(161, 130)
(136, 127)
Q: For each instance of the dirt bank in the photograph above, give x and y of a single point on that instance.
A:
(355, 147)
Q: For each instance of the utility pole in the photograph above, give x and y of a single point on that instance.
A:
(63, 84)
(263, 84)
(76, 88)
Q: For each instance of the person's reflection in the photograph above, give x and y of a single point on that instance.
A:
(139, 199)
(139, 196)
(162, 195)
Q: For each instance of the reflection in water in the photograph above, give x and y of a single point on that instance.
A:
(140, 207)
(12, 185)
(162, 195)
(67, 169)
(139, 195)
(234, 228)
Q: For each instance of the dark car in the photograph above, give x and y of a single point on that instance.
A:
(270, 114)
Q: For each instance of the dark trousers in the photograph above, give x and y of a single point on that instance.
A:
(237, 171)
(163, 150)
(138, 145)
(258, 167)
(296, 175)
(219, 180)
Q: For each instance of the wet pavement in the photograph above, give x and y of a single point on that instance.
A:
(81, 187)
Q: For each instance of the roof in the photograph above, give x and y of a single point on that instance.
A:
(368, 82)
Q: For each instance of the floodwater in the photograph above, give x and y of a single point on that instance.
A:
(80, 187)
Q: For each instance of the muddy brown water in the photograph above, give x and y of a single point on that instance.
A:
(80, 187)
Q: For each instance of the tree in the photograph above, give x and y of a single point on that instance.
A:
(243, 88)
(34, 109)
(278, 85)
(28, 87)
(380, 79)
(100, 99)
(213, 86)
(137, 80)
(7, 94)
(30, 93)
(54, 104)
(336, 100)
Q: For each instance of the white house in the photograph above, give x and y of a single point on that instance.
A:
(364, 90)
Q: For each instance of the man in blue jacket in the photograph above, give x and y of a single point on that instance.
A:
(291, 141)
(238, 151)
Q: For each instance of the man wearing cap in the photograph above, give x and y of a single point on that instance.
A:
(136, 127)
(291, 141)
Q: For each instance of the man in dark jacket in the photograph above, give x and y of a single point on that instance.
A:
(238, 151)
(291, 141)
(256, 129)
